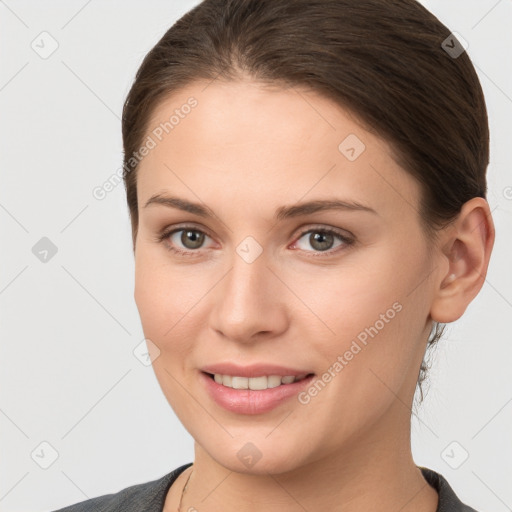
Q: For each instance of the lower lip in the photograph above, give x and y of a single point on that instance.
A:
(249, 401)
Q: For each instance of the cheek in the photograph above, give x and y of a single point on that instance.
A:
(368, 313)
(170, 299)
(362, 323)
(348, 299)
(163, 304)
(159, 294)
(370, 358)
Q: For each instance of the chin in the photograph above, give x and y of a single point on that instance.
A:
(256, 458)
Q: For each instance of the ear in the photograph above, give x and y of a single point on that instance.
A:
(467, 244)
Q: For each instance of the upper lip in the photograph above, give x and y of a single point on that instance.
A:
(253, 370)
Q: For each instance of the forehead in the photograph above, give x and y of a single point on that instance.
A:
(226, 138)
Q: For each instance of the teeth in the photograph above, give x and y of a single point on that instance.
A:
(255, 383)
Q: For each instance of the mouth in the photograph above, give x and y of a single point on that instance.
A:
(260, 383)
(253, 395)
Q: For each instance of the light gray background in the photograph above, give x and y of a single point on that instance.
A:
(69, 326)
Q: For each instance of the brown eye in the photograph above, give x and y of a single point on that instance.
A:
(185, 240)
(191, 239)
(323, 240)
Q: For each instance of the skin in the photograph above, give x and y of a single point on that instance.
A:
(245, 151)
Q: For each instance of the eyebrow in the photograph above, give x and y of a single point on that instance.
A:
(284, 212)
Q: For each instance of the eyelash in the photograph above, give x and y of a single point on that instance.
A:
(166, 233)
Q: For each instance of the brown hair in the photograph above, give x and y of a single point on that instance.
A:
(391, 63)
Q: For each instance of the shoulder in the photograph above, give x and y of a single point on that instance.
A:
(448, 500)
(147, 497)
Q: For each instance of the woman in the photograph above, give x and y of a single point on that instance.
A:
(306, 186)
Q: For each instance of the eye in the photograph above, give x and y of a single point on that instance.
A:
(187, 240)
(184, 240)
(323, 239)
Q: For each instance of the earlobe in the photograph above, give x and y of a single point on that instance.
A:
(468, 249)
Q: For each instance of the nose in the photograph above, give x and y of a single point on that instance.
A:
(250, 301)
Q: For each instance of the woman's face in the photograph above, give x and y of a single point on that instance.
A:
(260, 282)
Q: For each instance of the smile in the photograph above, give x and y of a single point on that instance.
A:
(253, 395)
(256, 383)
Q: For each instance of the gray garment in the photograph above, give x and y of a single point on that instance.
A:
(150, 496)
